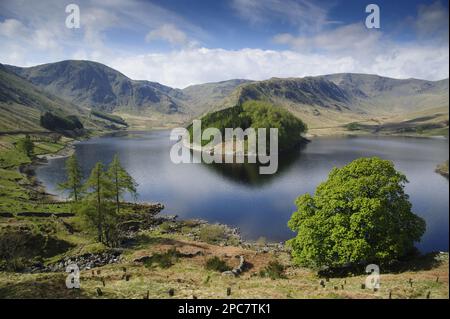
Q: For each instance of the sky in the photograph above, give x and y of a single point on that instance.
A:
(184, 42)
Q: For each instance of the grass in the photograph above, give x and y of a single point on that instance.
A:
(188, 277)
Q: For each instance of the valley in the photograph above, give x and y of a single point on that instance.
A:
(161, 256)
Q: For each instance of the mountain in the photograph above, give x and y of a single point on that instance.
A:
(97, 86)
(379, 94)
(203, 98)
(326, 101)
(332, 100)
(94, 85)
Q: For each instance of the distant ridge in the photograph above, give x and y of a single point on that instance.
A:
(320, 100)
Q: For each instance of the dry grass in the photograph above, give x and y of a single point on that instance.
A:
(188, 277)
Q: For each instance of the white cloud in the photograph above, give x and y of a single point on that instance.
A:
(349, 38)
(39, 36)
(305, 14)
(39, 28)
(432, 21)
(13, 28)
(170, 33)
(181, 68)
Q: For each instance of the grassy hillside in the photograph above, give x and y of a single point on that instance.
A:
(163, 257)
(204, 98)
(328, 103)
(187, 276)
(22, 104)
(91, 84)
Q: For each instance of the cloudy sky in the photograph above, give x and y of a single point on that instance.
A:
(184, 42)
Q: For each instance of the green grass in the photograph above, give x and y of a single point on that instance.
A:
(18, 192)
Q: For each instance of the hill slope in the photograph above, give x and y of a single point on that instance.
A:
(95, 85)
(22, 104)
(327, 101)
(333, 100)
(202, 98)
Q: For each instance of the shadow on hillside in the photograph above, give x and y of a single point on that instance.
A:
(409, 263)
(50, 286)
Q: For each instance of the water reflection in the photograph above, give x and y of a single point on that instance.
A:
(248, 173)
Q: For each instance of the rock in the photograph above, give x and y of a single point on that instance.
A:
(229, 273)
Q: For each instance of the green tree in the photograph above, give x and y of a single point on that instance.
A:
(73, 184)
(97, 205)
(122, 181)
(26, 146)
(361, 214)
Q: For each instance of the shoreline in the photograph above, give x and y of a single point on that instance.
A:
(69, 149)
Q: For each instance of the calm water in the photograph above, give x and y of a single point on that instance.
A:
(262, 205)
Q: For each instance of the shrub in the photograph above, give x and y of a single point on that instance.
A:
(109, 117)
(274, 270)
(212, 233)
(217, 264)
(53, 122)
(26, 146)
(354, 126)
(163, 260)
(167, 227)
(261, 241)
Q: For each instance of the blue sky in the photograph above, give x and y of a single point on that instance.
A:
(181, 42)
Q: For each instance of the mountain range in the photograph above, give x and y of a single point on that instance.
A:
(76, 87)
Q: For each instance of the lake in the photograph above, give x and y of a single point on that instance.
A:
(261, 205)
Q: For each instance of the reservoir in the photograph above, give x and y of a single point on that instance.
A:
(261, 205)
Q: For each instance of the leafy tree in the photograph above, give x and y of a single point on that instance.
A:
(265, 115)
(257, 114)
(74, 178)
(122, 181)
(97, 205)
(26, 146)
(361, 214)
(55, 122)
